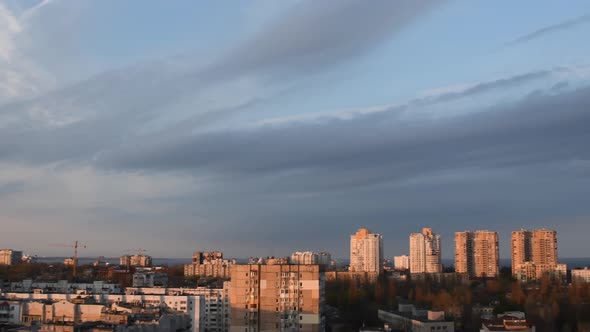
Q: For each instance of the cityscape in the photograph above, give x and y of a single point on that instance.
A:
(300, 292)
(294, 166)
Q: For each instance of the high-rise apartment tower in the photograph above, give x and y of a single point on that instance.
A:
(425, 252)
(477, 253)
(366, 252)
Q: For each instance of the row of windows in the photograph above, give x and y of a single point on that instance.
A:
(291, 283)
(285, 326)
(289, 308)
(288, 300)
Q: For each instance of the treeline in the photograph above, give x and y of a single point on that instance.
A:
(548, 304)
(39, 271)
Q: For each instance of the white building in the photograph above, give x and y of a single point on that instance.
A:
(10, 312)
(308, 257)
(150, 279)
(366, 252)
(136, 260)
(63, 286)
(581, 275)
(401, 262)
(10, 257)
(425, 252)
(66, 315)
(216, 303)
(192, 305)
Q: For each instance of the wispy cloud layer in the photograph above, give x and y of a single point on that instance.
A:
(569, 24)
(313, 35)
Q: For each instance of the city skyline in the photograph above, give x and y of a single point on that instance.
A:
(271, 127)
(505, 244)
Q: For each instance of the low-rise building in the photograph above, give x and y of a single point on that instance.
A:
(409, 318)
(10, 312)
(70, 316)
(401, 262)
(581, 275)
(63, 286)
(529, 271)
(482, 311)
(216, 303)
(191, 305)
(508, 321)
(150, 278)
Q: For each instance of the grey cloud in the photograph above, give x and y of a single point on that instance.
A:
(120, 102)
(536, 130)
(515, 165)
(489, 86)
(569, 24)
(314, 35)
(10, 187)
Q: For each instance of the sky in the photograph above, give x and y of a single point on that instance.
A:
(264, 127)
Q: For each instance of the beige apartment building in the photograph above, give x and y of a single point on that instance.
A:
(534, 254)
(581, 275)
(425, 252)
(477, 253)
(136, 260)
(309, 257)
(277, 297)
(10, 257)
(401, 262)
(521, 248)
(544, 251)
(464, 253)
(208, 264)
(366, 252)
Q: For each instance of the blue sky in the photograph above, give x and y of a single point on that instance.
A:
(265, 127)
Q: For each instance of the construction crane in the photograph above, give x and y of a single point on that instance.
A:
(76, 245)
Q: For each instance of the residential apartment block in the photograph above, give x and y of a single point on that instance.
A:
(477, 253)
(191, 305)
(425, 252)
(308, 257)
(72, 315)
(410, 318)
(401, 262)
(208, 264)
(581, 275)
(534, 254)
(366, 252)
(62, 286)
(276, 297)
(216, 306)
(10, 257)
(136, 260)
